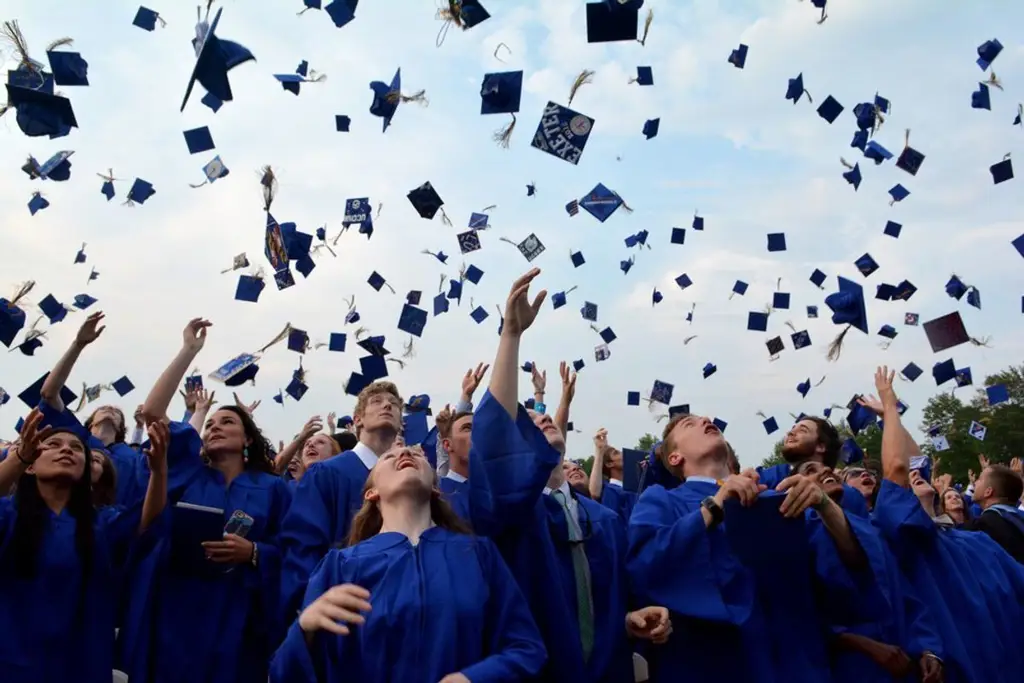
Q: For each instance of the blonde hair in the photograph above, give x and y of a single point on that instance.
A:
(369, 392)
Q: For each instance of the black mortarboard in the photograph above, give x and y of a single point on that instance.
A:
(801, 339)
(425, 200)
(214, 59)
(644, 76)
(795, 89)
(987, 53)
(780, 300)
(146, 19)
(684, 281)
(341, 12)
(757, 321)
(1002, 171)
(830, 109)
(943, 372)
(613, 20)
(41, 112)
(892, 229)
(501, 92)
(911, 372)
(32, 395)
(818, 278)
(980, 98)
(651, 127)
(946, 332)
(68, 68)
(249, 288)
(577, 256)
(738, 57)
(866, 265)
(374, 346)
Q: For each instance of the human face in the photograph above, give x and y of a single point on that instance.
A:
(316, 449)
(61, 458)
(613, 459)
(96, 465)
(952, 501)
(401, 470)
(550, 430)
(982, 489)
(574, 474)
(801, 441)
(111, 414)
(825, 477)
(383, 411)
(457, 445)
(923, 490)
(861, 479)
(694, 437)
(224, 433)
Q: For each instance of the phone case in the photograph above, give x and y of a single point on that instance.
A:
(239, 524)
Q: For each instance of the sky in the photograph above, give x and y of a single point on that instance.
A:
(730, 147)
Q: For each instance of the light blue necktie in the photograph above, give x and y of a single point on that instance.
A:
(581, 572)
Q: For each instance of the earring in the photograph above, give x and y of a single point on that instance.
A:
(245, 454)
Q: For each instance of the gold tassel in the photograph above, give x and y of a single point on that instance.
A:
(505, 239)
(81, 400)
(278, 339)
(994, 81)
(62, 42)
(11, 33)
(647, 27)
(836, 346)
(360, 333)
(269, 183)
(504, 135)
(586, 76)
(23, 289)
(396, 96)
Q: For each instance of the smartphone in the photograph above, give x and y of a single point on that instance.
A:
(239, 524)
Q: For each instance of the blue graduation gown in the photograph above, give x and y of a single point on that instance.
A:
(731, 621)
(618, 500)
(219, 626)
(962, 571)
(510, 462)
(54, 629)
(128, 462)
(905, 621)
(325, 501)
(446, 605)
(853, 500)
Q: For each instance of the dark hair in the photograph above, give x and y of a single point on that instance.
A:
(1007, 484)
(966, 509)
(31, 522)
(368, 521)
(346, 440)
(829, 438)
(104, 491)
(444, 428)
(258, 452)
(734, 461)
(119, 433)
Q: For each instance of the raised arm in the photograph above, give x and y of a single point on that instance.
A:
(309, 430)
(154, 408)
(895, 454)
(22, 454)
(876, 406)
(156, 492)
(58, 377)
(540, 384)
(596, 484)
(202, 401)
(568, 392)
(470, 382)
(519, 315)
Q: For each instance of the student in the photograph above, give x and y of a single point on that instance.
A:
(566, 552)
(60, 556)
(606, 478)
(207, 610)
(414, 596)
(974, 590)
(330, 493)
(997, 492)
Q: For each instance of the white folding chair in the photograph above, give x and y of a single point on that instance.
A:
(120, 676)
(640, 674)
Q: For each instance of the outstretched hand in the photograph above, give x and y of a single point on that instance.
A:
(519, 311)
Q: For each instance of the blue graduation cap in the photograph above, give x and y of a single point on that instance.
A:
(81, 302)
(850, 452)
(684, 281)
(852, 176)
(739, 287)
(776, 241)
(588, 311)
(479, 314)
(661, 392)
(386, 98)
(656, 297)
(847, 305)
(910, 159)
(866, 265)
(770, 425)
(804, 387)
(37, 203)
(68, 68)
(780, 300)
(698, 222)
(249, 288)
(601, 202)
(337, 342)
(199, 140)
(146, 19)
(943, 372)
(213, 170)
(997, 394)
(644, 76)
(818, 278)
(140, 192)
(877, 153)
(613, 20)
(341, 12)
(1002, 171)
(425, 200)
(32, 395)
(39, 110)
(651, 127)
(342, 123)
(53, 309)
(911, 372)
(801, 339)
(738, 57)
(214, 59)
(898, 193)
(123, 386)
(892, 229)
(757, 321)
(412, 320)
(830, 109)
(678, 236)
(577, 256)
(980, 99)
(987, 53)
(500, 93)
(473, 274)
(709, 369)
(795, 89)
(562, 132)
(56, 168)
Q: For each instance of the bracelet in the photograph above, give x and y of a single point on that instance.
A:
(23, 460)
(539, 407)
(255, 555)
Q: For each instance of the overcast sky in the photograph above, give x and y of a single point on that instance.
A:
(730, 147)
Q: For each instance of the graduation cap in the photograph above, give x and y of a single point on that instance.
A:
(644, 76)
(68, 68)
(650, 129)
(946, 331)
(910, 159)
(996, 394)
(198, 140)
(83, 301)
(501, 93)
(37, 203)
(293, 82)
(427, 202)
(214, 59)
(243, 367)
(386, 98)
(562, 132)
(601, 202)
(852, 175)
(866, 265)
(877, 153)
(795, 89)
(213, 170)
(53, 309)
(987, 53)
(709, 369)
(614, 20)
(1001, 171)
(123, 386)
(412, 320)
(980, 98)
(943, 372)
(892, 229)
(776, 241)
(139, 192)
(738, 57)
(684, 281)
(31, 396)
(146, 19)
(830, 109)
(847, 306)
(911, 372)
(462, 13)
(56, 168)
(898, 193)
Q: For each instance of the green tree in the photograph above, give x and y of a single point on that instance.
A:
(646, 442)
(588, 465)
(869, 440)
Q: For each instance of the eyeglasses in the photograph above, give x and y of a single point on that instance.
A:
(853, 472)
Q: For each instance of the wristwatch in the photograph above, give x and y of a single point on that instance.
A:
(716, 511)
(255, 555)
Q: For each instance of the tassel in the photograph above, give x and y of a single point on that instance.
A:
(846, 163)
(61, 42)
(836, 346)
(505, 239)
(594, 328)
(420, 96)
(196, 187)
(586, 76)
(278, 339)
(23, 289)
(380, 205)
(647, 27)
(314, 77)
(450, 15)
(689, 339)
(570, 290)
(409, 351)
(488, 208)
(661, 417)
(778, 284)
(761, 415)
(794, 416)
(399, 363)
(440, 285)
(789, 324)
(504, 135)
(884, 345)
(360, 333)
(906, 139)
(994, 81)
(269, 183)
(334, 242)
(625, 206)
(501, 45)
(81, 400)
(444, 219)
(11, 33)
(821, 380)
(984, 341)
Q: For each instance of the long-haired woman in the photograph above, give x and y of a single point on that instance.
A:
(414, 597)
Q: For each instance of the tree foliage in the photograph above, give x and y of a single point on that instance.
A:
(948, 415)
(646, 442)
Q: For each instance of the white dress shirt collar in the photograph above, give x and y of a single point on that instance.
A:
(366, 454)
